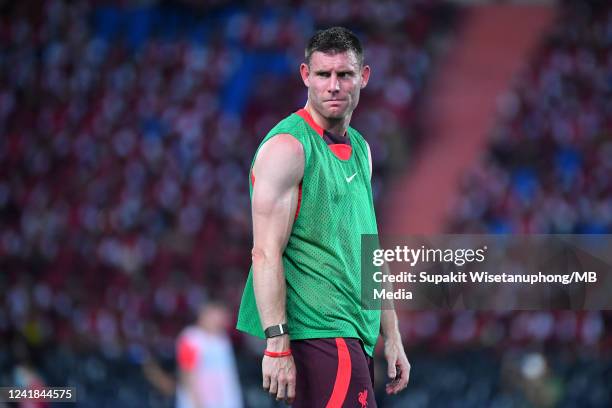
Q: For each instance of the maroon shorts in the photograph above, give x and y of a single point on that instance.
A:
(333, 373)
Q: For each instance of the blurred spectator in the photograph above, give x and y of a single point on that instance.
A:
(208, 375)
(25, 376)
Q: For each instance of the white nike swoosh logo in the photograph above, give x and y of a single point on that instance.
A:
(349, 179)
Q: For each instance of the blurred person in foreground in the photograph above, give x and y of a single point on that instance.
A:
(208, 377)
(311, 201)
(25, 376)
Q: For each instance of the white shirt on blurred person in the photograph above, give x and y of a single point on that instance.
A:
(208, 375)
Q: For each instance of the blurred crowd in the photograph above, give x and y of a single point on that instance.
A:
(548, 169)
(128, 128)
(128, 135)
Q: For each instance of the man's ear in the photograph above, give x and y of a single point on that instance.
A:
(365, 76)
(304, 72)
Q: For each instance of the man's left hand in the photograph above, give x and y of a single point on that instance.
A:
(398, 367)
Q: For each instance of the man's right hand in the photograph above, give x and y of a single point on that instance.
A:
(277, 173)
(279, 373)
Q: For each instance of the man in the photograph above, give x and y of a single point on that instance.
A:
(207, 369)
(311, 201)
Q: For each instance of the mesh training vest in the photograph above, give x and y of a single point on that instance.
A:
(322, 259)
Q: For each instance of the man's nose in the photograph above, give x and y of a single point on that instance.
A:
(334, 84)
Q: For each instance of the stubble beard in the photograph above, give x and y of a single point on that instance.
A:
(333, 115)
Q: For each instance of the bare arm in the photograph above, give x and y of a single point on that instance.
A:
(389, 328)
(157, 376)
(189, 380)
(187, 356)
(278, 170)
(398, 367)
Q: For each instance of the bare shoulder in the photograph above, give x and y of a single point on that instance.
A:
(281, 146)
(280, 157)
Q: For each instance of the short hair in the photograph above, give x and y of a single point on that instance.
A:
(206, 305)
(334, 40)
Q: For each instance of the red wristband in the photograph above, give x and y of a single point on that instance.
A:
(277, 354)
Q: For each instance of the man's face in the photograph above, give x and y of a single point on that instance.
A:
(214, 318)
(334, 82)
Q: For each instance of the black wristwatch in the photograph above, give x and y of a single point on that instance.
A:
(276, 330)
